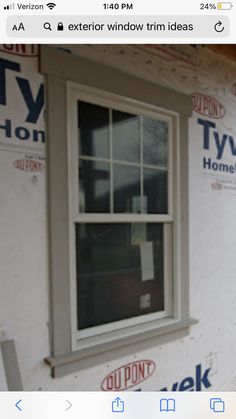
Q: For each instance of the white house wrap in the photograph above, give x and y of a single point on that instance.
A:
(201, 358)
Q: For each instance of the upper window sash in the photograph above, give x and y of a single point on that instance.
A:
(80, 93)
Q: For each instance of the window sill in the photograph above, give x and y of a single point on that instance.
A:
(84, 358)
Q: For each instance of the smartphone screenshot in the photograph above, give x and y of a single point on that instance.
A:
(117, 209)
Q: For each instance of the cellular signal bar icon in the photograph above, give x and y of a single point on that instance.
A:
(51, 5)
(9, 7)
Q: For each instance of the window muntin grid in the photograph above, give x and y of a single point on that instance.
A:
(138, 163)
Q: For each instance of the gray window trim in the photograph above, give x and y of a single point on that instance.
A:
(86, 358)
(11, 365)
(59, 67)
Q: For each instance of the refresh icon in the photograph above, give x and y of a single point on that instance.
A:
(219, 27)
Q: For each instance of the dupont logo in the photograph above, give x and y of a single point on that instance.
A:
(207, 106)
(28, 165)
(128, 375)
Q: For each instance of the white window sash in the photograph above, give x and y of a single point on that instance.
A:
(76, 93)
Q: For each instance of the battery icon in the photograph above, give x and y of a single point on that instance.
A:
(225, 5)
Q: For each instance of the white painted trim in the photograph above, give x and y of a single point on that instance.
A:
(110, 163)
(171, 171)
(122, 325)
(176, 225)
(168, 269)
(124, 163)
(122, 218)
(141, 162)
(73, 208)
(76, 93)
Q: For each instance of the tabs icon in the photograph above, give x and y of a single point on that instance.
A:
(217, 405)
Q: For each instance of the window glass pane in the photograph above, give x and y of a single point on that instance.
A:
(155, 191)
(94, 186)
(155, 142)
(93, 130)
(126, 136)
(126, 189)
(119, 272)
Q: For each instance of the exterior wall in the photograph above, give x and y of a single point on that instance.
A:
(24, 267)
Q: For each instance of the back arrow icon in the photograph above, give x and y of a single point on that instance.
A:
(69, 405)
(17, 405)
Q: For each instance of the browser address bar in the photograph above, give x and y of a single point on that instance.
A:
(100, 26)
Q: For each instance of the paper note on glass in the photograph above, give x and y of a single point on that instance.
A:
(138, 233)
(147, 263)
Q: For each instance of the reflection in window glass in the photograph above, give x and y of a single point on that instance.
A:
(119, 272)
(155, 142)
(126, 189)
(94, 186)
(155, 191)
(93, 130)
(138, 183)
(126, 136)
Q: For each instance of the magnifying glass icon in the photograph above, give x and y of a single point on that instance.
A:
(47, 26)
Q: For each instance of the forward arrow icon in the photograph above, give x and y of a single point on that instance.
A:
(68, 404)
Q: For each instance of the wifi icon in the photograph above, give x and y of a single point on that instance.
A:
(51, 5)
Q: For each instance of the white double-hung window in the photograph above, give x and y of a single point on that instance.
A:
(118, 209)
(121, 212)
